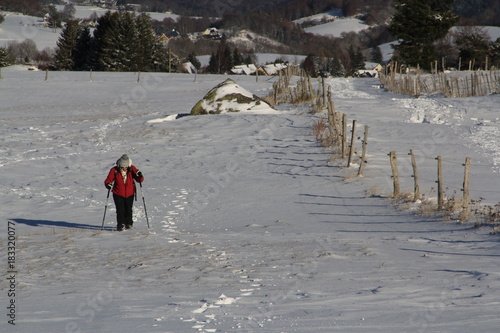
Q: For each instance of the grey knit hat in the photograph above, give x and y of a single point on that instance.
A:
(124, 161)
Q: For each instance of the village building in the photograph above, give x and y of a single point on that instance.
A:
(244, 69)
(211, 33)
(172, 34)
(371, 70)
(272, 69)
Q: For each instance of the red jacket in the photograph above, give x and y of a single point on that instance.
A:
(120, 187)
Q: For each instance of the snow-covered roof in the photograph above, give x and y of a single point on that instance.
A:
(244, 69)
(273, 69)
(189, 67)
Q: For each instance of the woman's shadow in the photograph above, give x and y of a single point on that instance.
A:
(58, 224)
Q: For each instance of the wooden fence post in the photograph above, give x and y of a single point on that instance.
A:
(331, 115)
(465, 204)
(46, 74)
(363, 154)
(440, 183)
(395, 176)
(338, 127)
(344, 135)
(416, 188)
(324, 92)
(351, 149)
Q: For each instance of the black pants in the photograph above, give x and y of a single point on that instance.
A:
(123, 210)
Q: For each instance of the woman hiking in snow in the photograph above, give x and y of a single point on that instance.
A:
(121, 180)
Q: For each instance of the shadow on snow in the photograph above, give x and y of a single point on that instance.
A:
(58, 224)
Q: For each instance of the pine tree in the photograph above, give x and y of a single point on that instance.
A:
(85, 57)
(64, 58)
(237, 59)
(121, 42)
(212, 64)
(147, 48)
(221, 61)
(4, 57)
(160, 58)
(336, 68)
(308, 65)
(223, 56)
(129, 43)
(418, 24)
(108, 38)
(376, 55)
(227, 60)
(192, 59)
(55, 17)
(356, 60)
(359, 60)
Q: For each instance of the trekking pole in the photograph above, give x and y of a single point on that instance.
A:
(144, 203)
(105, 208)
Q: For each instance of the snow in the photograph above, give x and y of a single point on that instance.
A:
(273, 69)
(338, 27)
(329, 15)
(251, 228)
(17, 27)
(224, 98)
(336, 24)
(84, 12)
(244, 69)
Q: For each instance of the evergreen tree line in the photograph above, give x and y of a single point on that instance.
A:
(121, 41)
(223, 59)
(333, 66)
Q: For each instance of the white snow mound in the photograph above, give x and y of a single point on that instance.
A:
(228, 96)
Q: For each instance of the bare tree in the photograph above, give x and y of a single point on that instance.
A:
(23, 52)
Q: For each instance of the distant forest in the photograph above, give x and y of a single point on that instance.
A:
(472, 12)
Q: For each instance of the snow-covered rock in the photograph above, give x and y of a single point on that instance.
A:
(228, 96)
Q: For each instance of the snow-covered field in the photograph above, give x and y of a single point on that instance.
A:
(18, 28)
(337, 24)
(251, 229)
(338, 27)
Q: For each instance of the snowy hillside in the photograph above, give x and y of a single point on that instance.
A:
(84, 12)
(18, 28)
(338, 27)
(251, 229)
